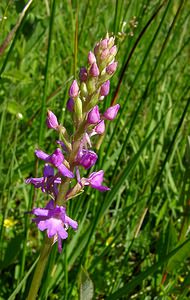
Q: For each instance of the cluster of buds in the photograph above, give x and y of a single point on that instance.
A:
(62, 172)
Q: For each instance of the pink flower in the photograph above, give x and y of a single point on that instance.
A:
(55, 221)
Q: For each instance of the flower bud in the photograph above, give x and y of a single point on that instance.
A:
(111, 68)
(94, 71)
(105, 88)
(83, 74)
(70, 104)
(111, 112)
(74, 89)
(51, 120)
(113, 50)
(105, 53)
(104, 44)
(91, 58)
(100, 127)
(93, 115)
(87, 158)
(83, 89)
(78, 108)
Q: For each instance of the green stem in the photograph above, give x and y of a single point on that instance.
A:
(36, 281)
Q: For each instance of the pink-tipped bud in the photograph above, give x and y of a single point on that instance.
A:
(74, 89)
(105, 88)
(113, 50)
(105, 53)
(83, 74)
(70, 104)
(94, 71)
(111, 112)
(91, 58)
(111, 68)
(51, 120)
(93, 115)
(104, 44)
(100, 128)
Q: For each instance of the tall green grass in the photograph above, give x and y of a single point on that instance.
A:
(132, 242)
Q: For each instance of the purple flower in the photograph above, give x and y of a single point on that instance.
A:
(48, 183)
(93, 115)
(74, 89)
(70, 104)
(56, 159)
(111, 112)
(111, 68)
(95, 181)
(55, 221)
(100, 127)
(105, 88)
(83, 74)
(51, 120)
(94, 71)
(87, 158)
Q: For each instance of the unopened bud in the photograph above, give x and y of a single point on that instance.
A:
(105, 88)
(83, 74)
(93, 115)
(104, 54)
(74, 89)
(113, 50)
(94, 71)
(70, 104)
(51, 120)
(78, 108)
(91, 58)
(104, 44)
(100, 127)
(111, 68)
(111, 112)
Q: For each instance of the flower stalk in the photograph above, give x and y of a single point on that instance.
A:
(63, 168)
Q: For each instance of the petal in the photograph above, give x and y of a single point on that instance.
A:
(101, 188)
(41, 154)
(65, 172)
(42, 225)
(56, 158)
(52, 226)
(59, 242)
(50, 205)
(37, 182)
(62, 232)
(71, 222)
(40, 212)
(48, 171)
(96, 178)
